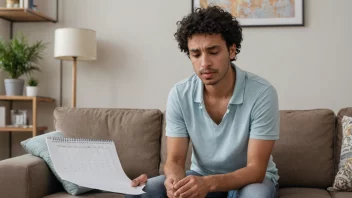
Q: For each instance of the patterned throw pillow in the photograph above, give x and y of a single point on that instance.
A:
(343, 179)
(37, 147)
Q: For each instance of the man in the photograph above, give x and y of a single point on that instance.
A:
(231, 116)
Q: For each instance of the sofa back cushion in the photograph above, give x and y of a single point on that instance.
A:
(135, 132)
(304, 153)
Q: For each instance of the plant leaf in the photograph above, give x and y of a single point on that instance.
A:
(18, 57)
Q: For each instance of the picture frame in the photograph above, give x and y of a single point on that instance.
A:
(19, 118)
(292, 14)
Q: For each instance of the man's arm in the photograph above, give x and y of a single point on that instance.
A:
(175, 162)
(176, 157)
(177, 138)
(259, 152)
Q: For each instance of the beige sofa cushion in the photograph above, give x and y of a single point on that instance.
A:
(135, 132)
(304, 152)
(26, 176)
(303, 193)
(341, 194)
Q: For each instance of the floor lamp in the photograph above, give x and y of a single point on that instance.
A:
(75, 44)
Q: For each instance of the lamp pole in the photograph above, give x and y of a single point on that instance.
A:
(74, 81)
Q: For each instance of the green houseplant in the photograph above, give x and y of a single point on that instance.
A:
(32, 82)
(32, 87)
(17, 58)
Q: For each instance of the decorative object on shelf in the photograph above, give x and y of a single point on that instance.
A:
(21, 3)
(17, 58)
(12, 3)
(32, 127)
(19, 118)
(32, 88)
(75, 44)
(260, 13)
(2, 117)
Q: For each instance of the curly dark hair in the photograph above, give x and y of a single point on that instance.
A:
(210, 20)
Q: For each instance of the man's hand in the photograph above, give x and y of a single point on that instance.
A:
(169, 185)
(139, 181)
(191, 186)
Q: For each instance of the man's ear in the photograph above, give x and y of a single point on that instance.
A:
(232, 51)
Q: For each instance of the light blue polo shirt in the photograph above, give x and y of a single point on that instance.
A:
(252, 112)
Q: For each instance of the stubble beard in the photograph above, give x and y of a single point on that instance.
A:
(217, 81)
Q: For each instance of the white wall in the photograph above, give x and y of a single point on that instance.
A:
(5, 34)
(309, 66)
(138, 59)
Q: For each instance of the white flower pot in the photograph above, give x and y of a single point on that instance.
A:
(32, 91)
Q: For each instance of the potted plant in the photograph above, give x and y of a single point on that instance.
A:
(32, 88)
(18, 57)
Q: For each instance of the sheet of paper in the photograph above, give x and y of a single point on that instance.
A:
(90, 164)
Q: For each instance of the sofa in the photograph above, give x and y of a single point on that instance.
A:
(307, 153)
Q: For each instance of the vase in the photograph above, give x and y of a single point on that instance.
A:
(14, 87)
(32, 90)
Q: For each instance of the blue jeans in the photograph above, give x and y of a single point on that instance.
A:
(155, 189)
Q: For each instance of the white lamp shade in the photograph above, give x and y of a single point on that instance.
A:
(75, 42)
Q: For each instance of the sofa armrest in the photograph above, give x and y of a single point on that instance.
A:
(26, 176)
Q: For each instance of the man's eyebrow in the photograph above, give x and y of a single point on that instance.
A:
(194, 50)
(208, 48)
(213, 47)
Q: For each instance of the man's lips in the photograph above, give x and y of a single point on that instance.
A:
(207, 74)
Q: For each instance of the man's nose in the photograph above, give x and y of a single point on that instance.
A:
(205, 61)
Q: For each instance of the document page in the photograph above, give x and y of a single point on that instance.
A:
(89, 163)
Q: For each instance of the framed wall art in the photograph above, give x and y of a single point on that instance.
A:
(260, 12)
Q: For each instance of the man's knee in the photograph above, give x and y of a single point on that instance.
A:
(263, 190)
(155, 185)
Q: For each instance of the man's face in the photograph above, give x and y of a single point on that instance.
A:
(210, 57)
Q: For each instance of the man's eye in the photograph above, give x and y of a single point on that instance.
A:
(214, 53)
(195, 55)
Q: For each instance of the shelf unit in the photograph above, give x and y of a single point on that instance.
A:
(21, 129)
(24, 15)
(29, 98)
(34, 129)
(34, 101)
